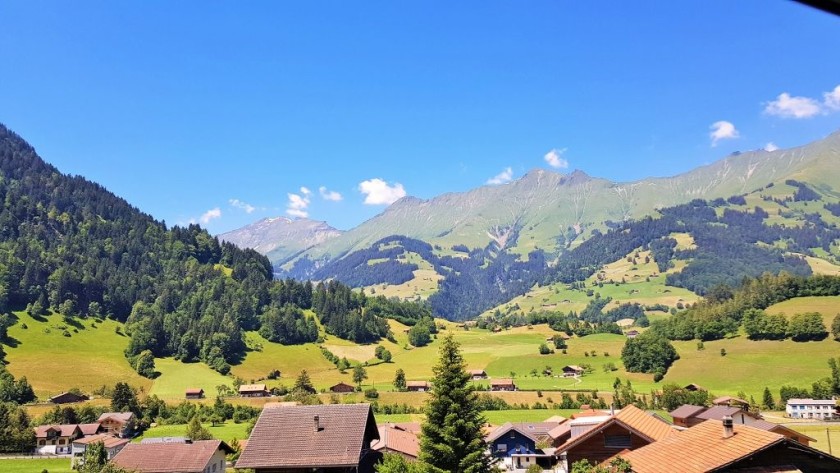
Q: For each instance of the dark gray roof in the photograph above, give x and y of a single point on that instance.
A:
(686, 410)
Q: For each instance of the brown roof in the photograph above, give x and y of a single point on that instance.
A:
(168, 457)
(397, 440)
(501, 382)
(631, 417)
(532, 430)
(252, 387)
(730, 400)
(701, 448)
(90, 429)
(560, 431)
(417, 384)
(194, 391)
(572, 368)
(64, 430)
(686, 410)
(338, 441)
(109, 441)
(779, 429)
(118, 416)
(719, 412)
(476, 372)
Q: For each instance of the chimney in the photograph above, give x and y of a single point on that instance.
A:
(728, 429)
(318, 423)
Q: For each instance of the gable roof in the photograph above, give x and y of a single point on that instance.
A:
(476, 372)
(532, 430)
(653, 429)
(686, 410)
(501, 382)
(417, 384)
(719, 412)
(118, 416)
(396, 439)
(90, 429)
(338, 441)
(729, 400)
(109, 441)
(779, 429)
(252, 387)
(701, 448)
(194, 391)
(168, 457)
(64, 430)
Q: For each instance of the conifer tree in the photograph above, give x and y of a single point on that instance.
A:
(452, 439)
(767, 400)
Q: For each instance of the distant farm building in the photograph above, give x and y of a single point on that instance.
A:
(194, 393)
(253, 390)
(570, 371)
(418, 386)
(342, 387)
(503, 384)
(119, 424)
(477, 374)
(67, 398)
(632, 333)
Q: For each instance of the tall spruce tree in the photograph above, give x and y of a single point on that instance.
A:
(452, 439)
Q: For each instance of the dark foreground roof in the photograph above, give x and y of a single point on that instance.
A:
(285, 437)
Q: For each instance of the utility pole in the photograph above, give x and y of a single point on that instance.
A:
(828, 436)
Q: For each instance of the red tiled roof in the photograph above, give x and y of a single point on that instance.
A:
(633, 418)
(560, 430)
(90, 429)
(64, 430)
(194, 391)
(701, 448)
(686, 410)
(397, 440)
(118, 416)
(338, 441)
(168, 457)
(109, 441)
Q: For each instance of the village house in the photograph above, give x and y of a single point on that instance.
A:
(628, 429)
(688, 416)
(570, 371)
(253, 390)
(329, 438)
(194, 393)
(342, 387)
(418, 386)
(515, 445)
(823, 409)
(56, 439)
(399, 438)
(476, 375)
(118, 424)
(112, 446)
(68, 398)
(502, 384)
(200, 456)
(715, 446)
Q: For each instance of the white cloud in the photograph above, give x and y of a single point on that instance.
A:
(298, 203)
(329, 195)
(722, 130)
(831, 100)
(770, 146)
(211, 214)
(555, 159)
(786, 106)
(505, 176)
(248, 208)
(379, 192)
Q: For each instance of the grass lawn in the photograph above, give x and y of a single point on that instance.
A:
(53, 363)
(176, 376)
(821, 433)
(828, 306)
(25, 465)
(227, 431)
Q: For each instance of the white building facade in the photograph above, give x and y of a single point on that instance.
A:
(811, 408)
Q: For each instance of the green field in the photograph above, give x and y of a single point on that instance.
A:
(828, 306)
(25, 465)
(175, 377)
(227, 431)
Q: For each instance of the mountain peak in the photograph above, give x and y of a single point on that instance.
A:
(281, 235)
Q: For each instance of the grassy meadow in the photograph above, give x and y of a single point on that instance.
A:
(36, 465)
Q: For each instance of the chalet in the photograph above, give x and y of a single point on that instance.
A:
(194, 393)
(56, 439)
(330, 438)
(112, 445)
(502, 384)
(731, 401)
(253, 390)
(200, 456)
(689, 416)
(67, 398)
(477, 374)
(723, 446)
(342, 387)
(515, 445)
(119, 424)
(811, 408)
(629, 429)
(418, 386)
(401, 439)
(571, 371)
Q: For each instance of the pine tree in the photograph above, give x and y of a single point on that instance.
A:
(767, 400)
(399, 380)
(124, 399)
(452, 439)
(196, 431)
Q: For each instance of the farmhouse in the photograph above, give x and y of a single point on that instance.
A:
(570, 371)
(342, 387)
(515, 444)
(56, 439)
(194, 393)
(67, 398)
(330, 438)
(200, 456)
(629, 429)
(477, 374)
(811, 408)
(418, 386)
(400, 439)
(112, 445)
(723, 446)
(253, 390)
(689, 416)
(502, 384)
(731, 401)
(119, 424)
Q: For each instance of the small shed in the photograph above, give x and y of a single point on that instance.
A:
(253, 390)
(570, 371)
(503, 384)
(67, 398)
(342, 387)
(418, 386)
(194, 393)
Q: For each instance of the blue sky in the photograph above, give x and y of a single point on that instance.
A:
(227, 112)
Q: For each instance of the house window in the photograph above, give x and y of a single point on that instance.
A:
(501, 447)
(617, 441)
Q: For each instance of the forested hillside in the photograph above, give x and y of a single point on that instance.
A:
(68, 245)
